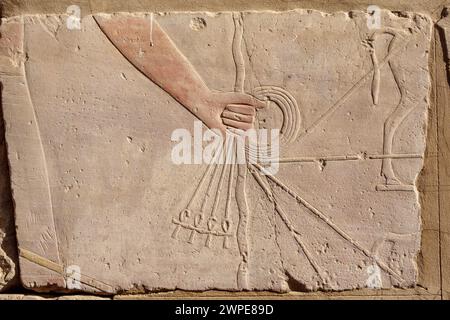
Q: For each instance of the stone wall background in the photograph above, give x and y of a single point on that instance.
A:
(8, 251)
(434, 182)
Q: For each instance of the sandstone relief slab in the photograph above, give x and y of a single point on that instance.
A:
(8, 250)
(100, 203)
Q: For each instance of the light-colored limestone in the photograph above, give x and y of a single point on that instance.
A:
(94, 186)
(19, 7)
(8, 252)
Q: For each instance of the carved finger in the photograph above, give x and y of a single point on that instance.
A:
(241, 108)
(237, 124)
(237, 116)
(243, 98)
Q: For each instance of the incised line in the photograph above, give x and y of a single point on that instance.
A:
(325, 219)
(50, 265)
(41, 144)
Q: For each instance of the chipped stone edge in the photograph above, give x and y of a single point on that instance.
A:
(396, 14)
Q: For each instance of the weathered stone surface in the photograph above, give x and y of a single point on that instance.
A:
(443, 99)
(36, 297)
(16, 297)
(8, 252)
(94, 185)
(18, 7)
(82, 298)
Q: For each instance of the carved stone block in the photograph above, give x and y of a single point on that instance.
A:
(90, 112)
(8, 249)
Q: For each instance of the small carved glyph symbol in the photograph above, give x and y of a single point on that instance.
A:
(401, 110)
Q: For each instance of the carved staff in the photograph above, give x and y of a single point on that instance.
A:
(241, 181)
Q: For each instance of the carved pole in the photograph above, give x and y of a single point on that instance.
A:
(241, 181)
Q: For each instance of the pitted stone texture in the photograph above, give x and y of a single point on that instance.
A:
(8, 253)
(35, 297)
(89, 142)
(8, 250)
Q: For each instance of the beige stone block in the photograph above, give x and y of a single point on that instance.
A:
(8, 250)
(89, 117)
